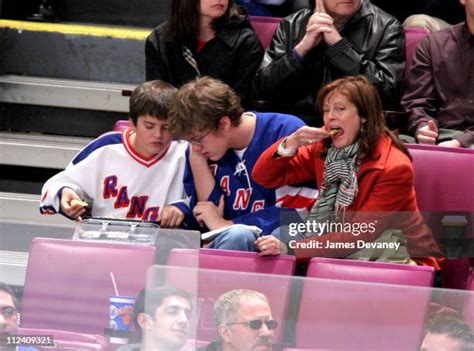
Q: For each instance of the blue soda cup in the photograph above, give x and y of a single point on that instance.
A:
(121, 312)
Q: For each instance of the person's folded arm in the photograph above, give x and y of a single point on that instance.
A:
(273, 171)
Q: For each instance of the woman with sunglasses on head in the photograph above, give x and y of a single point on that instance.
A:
(204, 38)
(366, 207)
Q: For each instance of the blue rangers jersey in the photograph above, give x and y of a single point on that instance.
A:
(246, 202)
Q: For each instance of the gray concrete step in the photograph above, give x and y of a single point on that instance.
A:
(68, 93)
(35, 150)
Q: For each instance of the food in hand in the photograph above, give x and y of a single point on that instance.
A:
(334, 131)
(76, 202)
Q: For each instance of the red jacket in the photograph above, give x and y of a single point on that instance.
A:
(385, 186)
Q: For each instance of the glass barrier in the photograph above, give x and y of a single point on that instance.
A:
(249, 311)
(91, 294)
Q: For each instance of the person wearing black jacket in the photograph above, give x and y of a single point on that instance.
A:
(204, 38)
(341, 38)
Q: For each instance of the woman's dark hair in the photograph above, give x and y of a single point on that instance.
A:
(183, 23)
(360, 92)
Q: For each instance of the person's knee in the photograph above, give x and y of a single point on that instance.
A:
(235, 238)
(240, 234)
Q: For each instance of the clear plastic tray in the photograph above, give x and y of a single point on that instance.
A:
(105, 229)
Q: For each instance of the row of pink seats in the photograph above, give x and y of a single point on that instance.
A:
(444, 179)
(276, 286)
(337, 315)
(326, 305)
(68, 282)
(68, 285)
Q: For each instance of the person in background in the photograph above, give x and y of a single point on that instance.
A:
(439, 95)
(364, 176)
(341, 38)
(162, 319)
(135, 174)
(447, 333)
(8, 314)
(204, 38)
(244, 322)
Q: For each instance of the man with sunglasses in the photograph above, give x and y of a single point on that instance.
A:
(244, 322)
(8, 315)
(226, 142)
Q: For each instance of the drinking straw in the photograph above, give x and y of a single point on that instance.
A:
(114, 283)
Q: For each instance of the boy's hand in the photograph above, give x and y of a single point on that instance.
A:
(196, 156)
(72, 205)
(211, 215)
(171, 217)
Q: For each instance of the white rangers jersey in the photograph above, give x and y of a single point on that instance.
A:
(119, 182)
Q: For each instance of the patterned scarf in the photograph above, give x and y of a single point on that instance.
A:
(188, 56)
(339, 186)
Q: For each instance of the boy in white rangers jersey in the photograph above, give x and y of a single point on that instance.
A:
(136, 174)
(226, 142)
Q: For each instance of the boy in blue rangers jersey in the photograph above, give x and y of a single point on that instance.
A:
(136, 174)
(209, 114)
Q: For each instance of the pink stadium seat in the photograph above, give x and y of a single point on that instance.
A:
(238, 261)
(370, 272)
(64, 339)
(339, 315)
(121, 125)
(265, 27)
(444, 179)
(210, 284)
(412, 38)
(68, 282)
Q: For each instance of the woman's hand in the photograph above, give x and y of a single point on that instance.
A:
(270, 245)
(305, 136)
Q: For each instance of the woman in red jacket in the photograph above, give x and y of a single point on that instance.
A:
(366, 208)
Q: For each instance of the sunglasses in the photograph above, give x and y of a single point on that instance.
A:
(8, 312)
(256, 324)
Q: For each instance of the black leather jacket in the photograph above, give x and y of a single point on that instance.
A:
(373, 44)
(233, 56)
